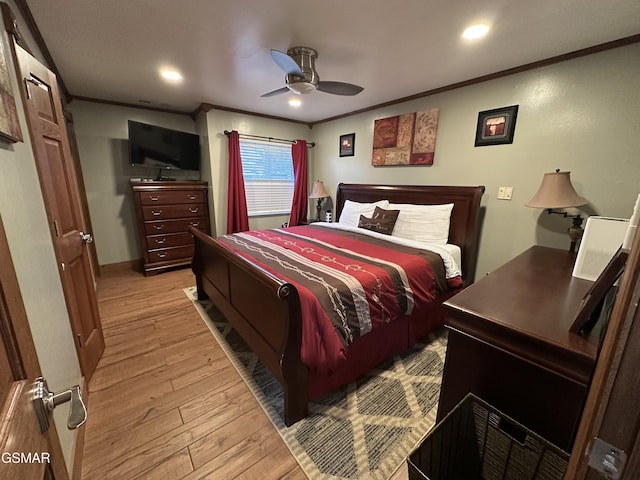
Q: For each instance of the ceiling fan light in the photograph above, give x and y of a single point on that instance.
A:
(301, 88)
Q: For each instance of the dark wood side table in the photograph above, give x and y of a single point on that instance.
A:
(509, 344)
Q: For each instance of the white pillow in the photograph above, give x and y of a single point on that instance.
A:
(423, 223)
(351, 211)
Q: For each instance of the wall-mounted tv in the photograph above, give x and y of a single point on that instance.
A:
(163, 148)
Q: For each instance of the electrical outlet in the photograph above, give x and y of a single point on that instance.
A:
(505, 193)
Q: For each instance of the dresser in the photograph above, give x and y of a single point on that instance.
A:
(510, 344)
(165, 211)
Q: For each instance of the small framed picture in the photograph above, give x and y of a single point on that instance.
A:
(347, 145)
(590, 308)
(496, 127)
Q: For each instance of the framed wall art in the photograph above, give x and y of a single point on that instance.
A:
(408, 139)
(9, 124)
(347, 145)
(497, 126)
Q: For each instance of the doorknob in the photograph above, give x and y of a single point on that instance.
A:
(86, 238)
(45, 401)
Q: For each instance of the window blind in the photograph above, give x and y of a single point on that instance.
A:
(268, 177)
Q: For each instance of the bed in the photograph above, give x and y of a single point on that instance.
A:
(272, 313)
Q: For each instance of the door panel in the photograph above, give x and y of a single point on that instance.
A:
(61, 194)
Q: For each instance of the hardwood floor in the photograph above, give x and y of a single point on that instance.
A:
(165, 402)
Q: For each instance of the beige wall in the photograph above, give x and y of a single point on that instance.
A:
(217, 121)
(582, 115)
(102, 136)
(25, 221)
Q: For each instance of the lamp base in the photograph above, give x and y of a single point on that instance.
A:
(575, 232)
(318, 208)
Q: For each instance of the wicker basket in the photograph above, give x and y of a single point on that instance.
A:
(476, 441)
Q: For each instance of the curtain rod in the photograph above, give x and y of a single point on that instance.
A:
(270, 139)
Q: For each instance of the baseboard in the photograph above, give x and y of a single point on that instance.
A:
(76, 473)
(123, 266)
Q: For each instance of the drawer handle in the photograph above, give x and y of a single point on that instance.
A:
(194, 210)
(154, 199)
(159, 227)
(159, 212)
(194, 224)
(192, 196)
(161, 242)
(162, 255)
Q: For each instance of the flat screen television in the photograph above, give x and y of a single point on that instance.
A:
(163, 148)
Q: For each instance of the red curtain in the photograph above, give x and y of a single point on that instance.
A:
(237, 218)
(299, 204)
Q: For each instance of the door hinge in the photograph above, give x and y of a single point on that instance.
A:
(607, 459)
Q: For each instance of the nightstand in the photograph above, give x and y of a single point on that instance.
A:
(510, 344)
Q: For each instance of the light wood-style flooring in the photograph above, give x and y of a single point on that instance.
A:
(165, 402)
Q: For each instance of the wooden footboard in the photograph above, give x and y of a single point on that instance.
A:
(263, 309)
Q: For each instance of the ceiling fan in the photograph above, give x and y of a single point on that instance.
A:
(299, 65)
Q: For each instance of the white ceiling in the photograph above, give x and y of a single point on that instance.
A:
(112, 49)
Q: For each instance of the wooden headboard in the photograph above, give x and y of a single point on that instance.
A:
(464, 226)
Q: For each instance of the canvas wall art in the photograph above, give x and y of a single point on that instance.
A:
(9, 124)
(408, 139)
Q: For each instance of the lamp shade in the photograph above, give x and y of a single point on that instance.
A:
(318, 190)
(556, 191)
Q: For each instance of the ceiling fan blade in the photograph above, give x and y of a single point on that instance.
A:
(279, 91)
(286, 63)
(339, 88)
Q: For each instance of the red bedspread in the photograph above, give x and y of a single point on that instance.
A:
(348, 283)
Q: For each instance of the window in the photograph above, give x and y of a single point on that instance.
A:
(268, 177)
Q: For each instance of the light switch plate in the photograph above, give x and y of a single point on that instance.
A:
(505, 193)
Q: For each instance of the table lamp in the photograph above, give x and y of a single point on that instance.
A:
(555, 192)
(318, 192)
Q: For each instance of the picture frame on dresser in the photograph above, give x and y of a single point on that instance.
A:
(593, 301)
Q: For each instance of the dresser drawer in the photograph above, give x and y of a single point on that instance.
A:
(175, 226)
(170, 254)
(169, 240)
(171, 197)
(161, 212)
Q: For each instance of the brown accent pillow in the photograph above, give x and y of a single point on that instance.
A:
(382, 221)
(386, 214)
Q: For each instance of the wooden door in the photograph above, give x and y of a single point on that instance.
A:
(25, 452)
(59, 185)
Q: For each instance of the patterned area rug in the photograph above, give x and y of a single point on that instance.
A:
(365, 430)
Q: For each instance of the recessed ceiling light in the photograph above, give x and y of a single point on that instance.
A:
(171, 75)
(476, 31)
(295, 102)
